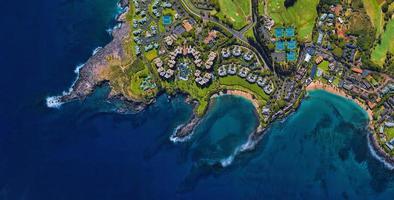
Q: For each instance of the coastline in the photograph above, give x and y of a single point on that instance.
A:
(317, 85)
(376, 150)
(245, 95)
(89, 74)
(89, 78)
(184, 131)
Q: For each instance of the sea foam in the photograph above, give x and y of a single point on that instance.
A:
(375, 155)
(176, 139)
(55, 101)
(96, 50)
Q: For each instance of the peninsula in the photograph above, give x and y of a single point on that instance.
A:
(270, 52)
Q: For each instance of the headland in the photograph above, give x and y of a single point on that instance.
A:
(178, 47)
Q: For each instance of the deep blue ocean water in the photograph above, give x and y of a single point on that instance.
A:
(86, 151)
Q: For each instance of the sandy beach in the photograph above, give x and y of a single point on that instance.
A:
(245, 95)
(317, 85)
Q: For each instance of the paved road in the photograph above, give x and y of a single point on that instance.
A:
(237, 34)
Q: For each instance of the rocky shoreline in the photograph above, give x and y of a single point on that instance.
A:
(89, 79)
(378, 149)
(89, 75)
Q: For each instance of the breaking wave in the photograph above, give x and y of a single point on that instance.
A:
(176, 139)
(110, 30)
(249, 145)
(55, 101)
(96, 50)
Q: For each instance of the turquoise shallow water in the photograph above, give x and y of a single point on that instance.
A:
(319, 152)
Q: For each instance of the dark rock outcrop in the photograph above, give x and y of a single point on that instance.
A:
(89, 78)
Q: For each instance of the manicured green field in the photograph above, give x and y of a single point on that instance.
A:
(235, 82)
(378, 55)
(302, 15)
(375, 13)
(324, 66)
(236, 12)
(389, 133)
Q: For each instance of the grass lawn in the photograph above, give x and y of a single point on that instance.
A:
(202, 95)
(249, 34)
(235, 11)
(324, 66)
(152, 54)
(190, 87)
(302, 15)
(375, 13)
(235, 82)
(389, 133)
(378, 55)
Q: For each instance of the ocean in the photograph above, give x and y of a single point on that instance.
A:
(85, 150)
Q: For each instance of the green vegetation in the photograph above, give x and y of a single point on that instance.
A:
(136, 81)
(152, 54)
(374, 11)
(324, 66)
(389, 133)
(196, 92)
(378, 55)
(169, 11)
(361, 26)
(249, 34)
(127, 79)
(234, 12)
(302, 15)
(235, 82)
(202, 95)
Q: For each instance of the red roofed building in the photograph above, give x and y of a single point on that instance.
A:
(357, 70)
(186, 24)
(211, 36)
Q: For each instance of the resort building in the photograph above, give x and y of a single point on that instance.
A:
(187, 26)
(225, 53)
(232, 69)
(212, 35)
(237, 51)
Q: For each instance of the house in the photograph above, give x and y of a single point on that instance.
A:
(187, 26)
(212, 35)
(357, 70)
(319, 59)
(320, 38)
(226, 53)
(307, 57)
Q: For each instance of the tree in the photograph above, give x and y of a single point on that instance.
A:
(385, 7)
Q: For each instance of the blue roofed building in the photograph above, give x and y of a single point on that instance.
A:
(279, 32)
(286, 47)
(291, 45)
(291, 56)
(313, 71)
(279, 45)
(290, 32)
